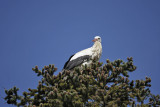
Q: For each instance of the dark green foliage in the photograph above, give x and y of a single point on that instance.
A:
(94, 86)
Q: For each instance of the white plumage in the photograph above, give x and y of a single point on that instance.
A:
(85, 56)
(87, 51)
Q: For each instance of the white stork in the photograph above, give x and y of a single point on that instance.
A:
(85, 56)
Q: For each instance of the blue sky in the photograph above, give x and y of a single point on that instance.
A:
(47, 32)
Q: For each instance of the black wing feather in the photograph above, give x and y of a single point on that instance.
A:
(67, 62)
(76, 62)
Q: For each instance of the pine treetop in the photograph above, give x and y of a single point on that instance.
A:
(98, 85)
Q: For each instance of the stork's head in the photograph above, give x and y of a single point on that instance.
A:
(97, 38)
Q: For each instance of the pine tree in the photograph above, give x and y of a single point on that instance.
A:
(99, 85)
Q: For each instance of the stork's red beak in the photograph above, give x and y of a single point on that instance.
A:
(94, 40)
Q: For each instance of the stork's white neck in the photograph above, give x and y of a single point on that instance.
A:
(97, 50)
(97, 44)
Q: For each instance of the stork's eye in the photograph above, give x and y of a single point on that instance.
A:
(98, 38)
